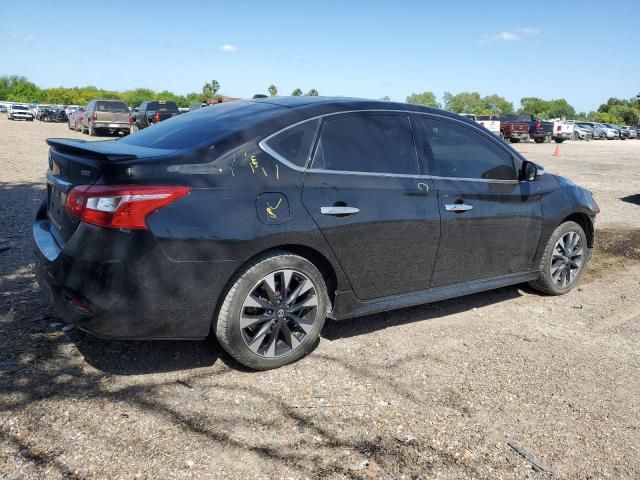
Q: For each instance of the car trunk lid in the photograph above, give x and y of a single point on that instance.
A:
(75, 162)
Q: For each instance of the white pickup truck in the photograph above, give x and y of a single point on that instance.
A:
(562, 130)
(487, 121)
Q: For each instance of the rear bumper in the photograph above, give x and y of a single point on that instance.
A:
(563, 135)
(112, 125)
(520, 135)
(125, 285)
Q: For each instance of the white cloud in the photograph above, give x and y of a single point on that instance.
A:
(22, 38)
(228, 48)
(516, 35)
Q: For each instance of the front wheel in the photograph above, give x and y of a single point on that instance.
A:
(273, 312)
(563, 261)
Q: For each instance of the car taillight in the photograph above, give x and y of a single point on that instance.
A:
(538, 125)
(121, 206)
(156, 117)
(559, 128)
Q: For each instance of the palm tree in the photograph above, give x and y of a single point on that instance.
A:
(312, 93)
(273, 90)
(296, 93)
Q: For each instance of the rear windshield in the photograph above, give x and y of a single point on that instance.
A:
(103, 106)
(163, 106)
(201, 127)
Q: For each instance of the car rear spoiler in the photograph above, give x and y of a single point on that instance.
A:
(111, 153)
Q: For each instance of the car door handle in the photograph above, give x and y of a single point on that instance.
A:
(458, 207)
(338, 210)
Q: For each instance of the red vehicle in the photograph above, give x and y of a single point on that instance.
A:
(75, 118)
(515, 127)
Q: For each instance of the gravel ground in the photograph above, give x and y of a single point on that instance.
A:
(440, 390)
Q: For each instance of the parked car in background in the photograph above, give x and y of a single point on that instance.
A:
(632, 132)
(539, 130)
(19, 112)
(562, 130)
(101, 116)
(597, 132)
(514, 128)
(3, 108)
(580, 132)
(197, 106)
(75, 117)
(262, 239)
(490, 122)
(625, 132)
(152, 112)
(610, 132)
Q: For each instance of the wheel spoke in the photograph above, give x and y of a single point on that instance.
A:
(289, 337)
(297, 292)
(247, 321)
(270, 282)
(257, 302)
(309, 301)
(302, 322)
(273, 340)
(256, 341)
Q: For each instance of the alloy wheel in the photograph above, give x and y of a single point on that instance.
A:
(567, 259)
(279, 313)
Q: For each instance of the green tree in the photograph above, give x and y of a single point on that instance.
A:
(428, 99)
(386, 98)
(465, 102)
(497, 104)
(312, 93)
(296, 93)
(273, 90)
(210, 90)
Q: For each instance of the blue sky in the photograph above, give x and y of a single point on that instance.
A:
(584, 51)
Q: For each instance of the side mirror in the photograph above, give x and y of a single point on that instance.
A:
(530, 171)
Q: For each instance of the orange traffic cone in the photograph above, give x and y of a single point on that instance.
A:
(556, 153)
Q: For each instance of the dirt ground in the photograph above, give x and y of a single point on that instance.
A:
(440, 390)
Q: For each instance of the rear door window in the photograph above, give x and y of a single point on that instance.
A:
(459, 152)
(294, 144)
(104, 106)
(367, 143)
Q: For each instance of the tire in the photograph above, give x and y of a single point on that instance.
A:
(514, 140)
(538, 140)
(546, 282)
(237, 302)
(559, 140)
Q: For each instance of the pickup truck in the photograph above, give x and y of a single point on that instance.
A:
(152, 112)
(539, 130)
(515, 127)
(490, 122)
(562, 130)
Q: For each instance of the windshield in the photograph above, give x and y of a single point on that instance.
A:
(18, 107)
(103, 106)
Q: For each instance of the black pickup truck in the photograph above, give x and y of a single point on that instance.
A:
(151, 112)
(539, 130)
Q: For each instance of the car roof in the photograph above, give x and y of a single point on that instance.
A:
(325, 105)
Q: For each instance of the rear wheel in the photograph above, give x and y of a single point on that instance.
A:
(514, 140)
(563, 261)
(274, 311)
(538, 139)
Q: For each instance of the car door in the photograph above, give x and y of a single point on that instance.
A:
(491, 220)
(86, 118)
(377, 210)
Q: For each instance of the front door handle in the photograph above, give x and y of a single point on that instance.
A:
(338, 210)
(458, 207)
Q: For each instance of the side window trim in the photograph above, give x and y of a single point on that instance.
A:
(430, 159)
(264, 144)
(363, 113)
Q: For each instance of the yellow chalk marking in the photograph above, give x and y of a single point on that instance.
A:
(271, 211)
(253, 163)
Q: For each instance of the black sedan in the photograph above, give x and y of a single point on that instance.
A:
(258, 220)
